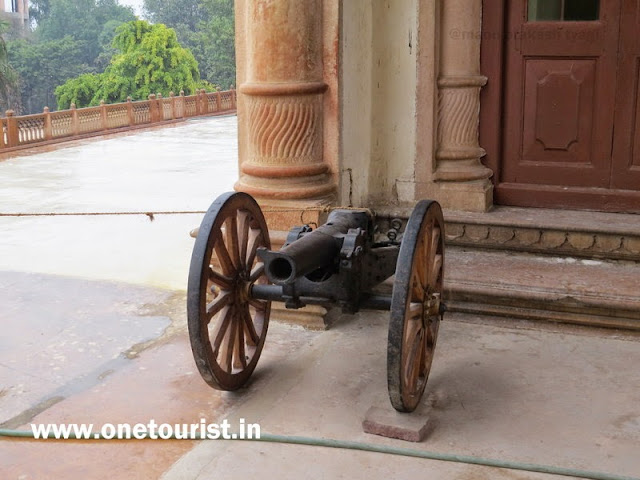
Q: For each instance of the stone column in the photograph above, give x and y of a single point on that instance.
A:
(286, 116)
(281, 108)
(463, 182)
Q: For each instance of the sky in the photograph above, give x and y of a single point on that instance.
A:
(136, 4)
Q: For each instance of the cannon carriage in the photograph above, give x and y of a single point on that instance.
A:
(234, 276)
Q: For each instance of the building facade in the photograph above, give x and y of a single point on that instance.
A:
(17, 13)
(380, 103)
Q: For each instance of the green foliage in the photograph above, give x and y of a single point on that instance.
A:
(42, 66)
(187, 13)
(70, 37)
(207, 28)
(74, 37)
(39, 10)
(79, 90)
(84, 21)
(149, 59)
(219, 56)
(8, 76)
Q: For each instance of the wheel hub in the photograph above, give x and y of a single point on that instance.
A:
(432, 304)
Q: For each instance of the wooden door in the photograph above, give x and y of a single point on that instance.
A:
(561, 75)
(626, 141)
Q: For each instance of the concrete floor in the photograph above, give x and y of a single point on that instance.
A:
(94, 331)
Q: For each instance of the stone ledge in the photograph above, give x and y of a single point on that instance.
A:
(596, 293)
(540, 313)
(564, 242)
(536, 230)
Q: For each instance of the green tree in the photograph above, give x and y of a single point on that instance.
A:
(41, 67)
(85, 22)
(218, 62)
(39, 9)
(188, 13)
(206, 27)
(149, 60)
(79, 90)
(70, 38)
(8, 76)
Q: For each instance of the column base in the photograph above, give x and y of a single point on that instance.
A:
(282, 215)
(476, 196)
(311, 317)
(287, 188)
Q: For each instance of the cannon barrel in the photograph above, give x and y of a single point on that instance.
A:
(316, 249)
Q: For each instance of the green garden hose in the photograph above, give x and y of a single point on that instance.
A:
(407, 452)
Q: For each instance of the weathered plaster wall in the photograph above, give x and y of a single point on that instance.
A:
(393, 98)
(379, 97)
(356, 105)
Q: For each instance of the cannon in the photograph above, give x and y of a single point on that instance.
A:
(234, 276)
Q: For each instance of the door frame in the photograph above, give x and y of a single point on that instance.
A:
(494, 35)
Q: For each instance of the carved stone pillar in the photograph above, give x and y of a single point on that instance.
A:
(462, 179)
(287, 120)
(281, 112)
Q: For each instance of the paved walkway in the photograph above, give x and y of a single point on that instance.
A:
(93, 318)
(178, 168)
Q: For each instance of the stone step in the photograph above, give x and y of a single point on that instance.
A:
(538, 230)
(547, 231)
(543, 264)
(603, 293)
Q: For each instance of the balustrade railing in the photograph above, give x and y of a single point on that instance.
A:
(26, 130)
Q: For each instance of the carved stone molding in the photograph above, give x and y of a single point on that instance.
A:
(551, 240)
(282, 97)
(548, 241)
(458, 154)
(284, 130)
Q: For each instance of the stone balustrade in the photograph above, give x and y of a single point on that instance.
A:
(51, 127)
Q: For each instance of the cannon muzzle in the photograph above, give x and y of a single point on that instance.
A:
(312, 251)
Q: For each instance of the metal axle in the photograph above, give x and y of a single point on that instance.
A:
(275, 293)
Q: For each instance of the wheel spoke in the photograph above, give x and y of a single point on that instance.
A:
(217, 304)
(223, 257)
(431, 334)
(417, 287)
(257, 272)
(221, 329)
(434, 243)
(413, 361)
(436, 271)
(226, 352)
(435, 240)
(239, 358)
(220, 280)
(250, 329)
(432, 330)
(422, 258)
(255, 236)
(259, 305)
(231, 234)
(416, 311)
(244, 219)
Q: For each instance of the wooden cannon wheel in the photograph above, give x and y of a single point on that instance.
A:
(227, 329)
(415, 306)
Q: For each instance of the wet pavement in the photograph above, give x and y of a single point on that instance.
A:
(93, 320)
(176, 168)
(83, 296)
